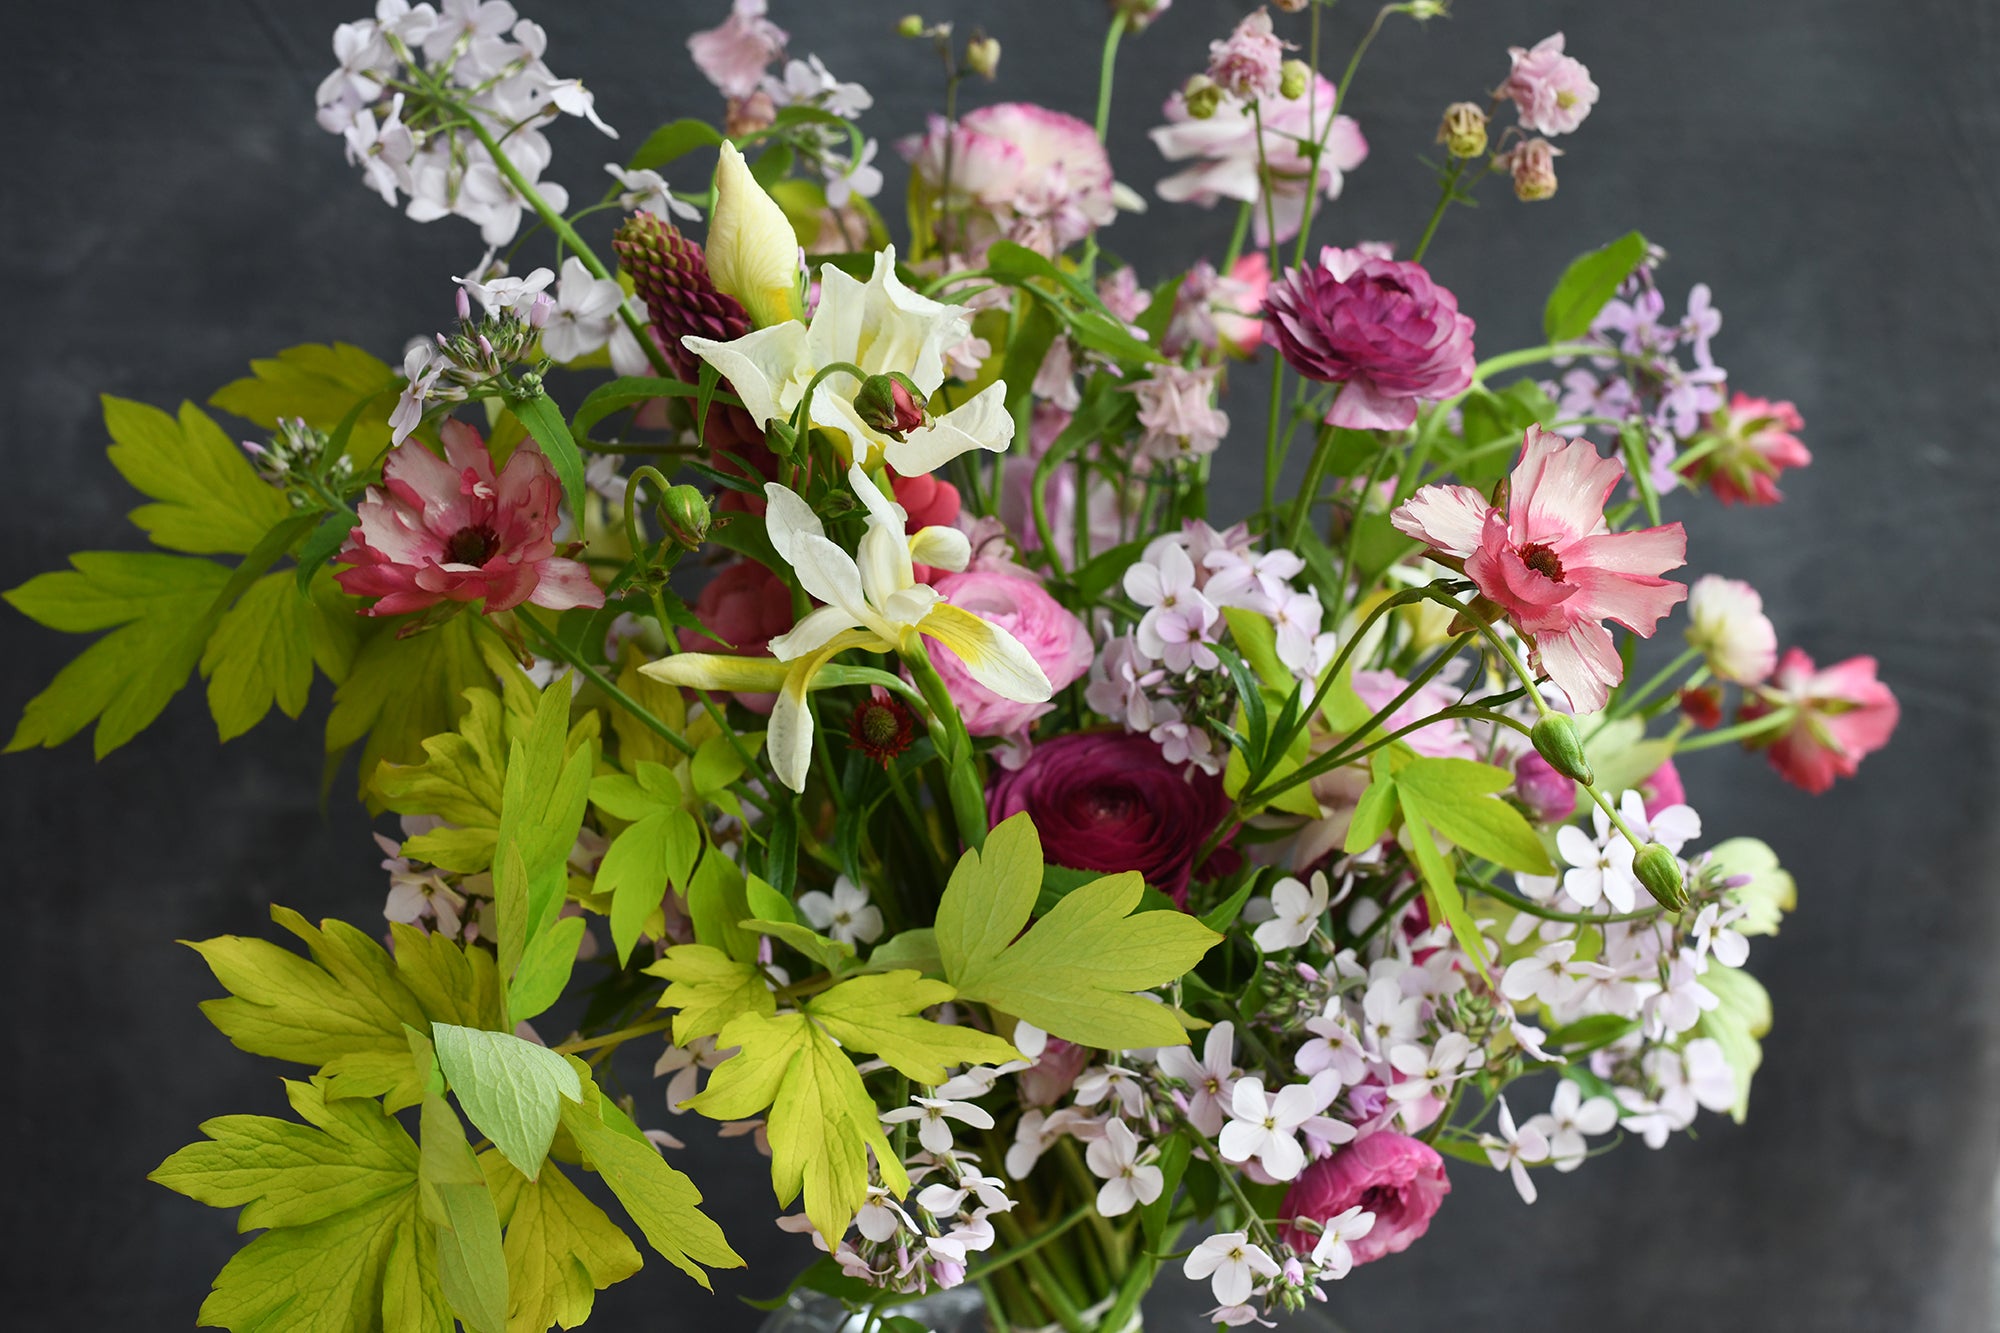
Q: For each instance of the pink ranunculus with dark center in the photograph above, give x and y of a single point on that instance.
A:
(1057, 641)
(743, 607)
(1551, 92)
(1550, 797)
(1109, 801)
(451, 530)
(1380, 328)
(1843, 714)
(1399, 1179)
(1551, 563)
(1752, 442)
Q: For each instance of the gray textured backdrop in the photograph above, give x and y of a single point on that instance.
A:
(1827, 165)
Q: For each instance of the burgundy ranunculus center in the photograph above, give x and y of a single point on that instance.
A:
(473, 545)
(1543, 560)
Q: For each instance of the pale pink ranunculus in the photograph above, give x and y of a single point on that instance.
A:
(1057, 641)
(449, 530)
(1379, 328)
(1752, 442)
(1399, 1179)
(1223, 158)
(1550, 561)
(1726, 622)
(1551, 92)
(1019, 172)
(1843, 715)
(735, 55)
(1245, 64)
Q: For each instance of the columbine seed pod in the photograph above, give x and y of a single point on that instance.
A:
(1556, 741)
(1660, 871)
(684, 514)
(1463, 130)
(1293, 77)
(910, 25)
(1534, 168)
(982, 56)
(1202, 95)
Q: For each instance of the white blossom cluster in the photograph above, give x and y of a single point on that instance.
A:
(406, 81)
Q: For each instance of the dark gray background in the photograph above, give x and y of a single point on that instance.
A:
(1827, 165)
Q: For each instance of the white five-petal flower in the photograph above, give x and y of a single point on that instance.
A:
(1296, 914)
(1266, 1127)
(1231, 1264)
(1331, 1255)
(930, 1113)
(1209, 1079)
(1128, 1182)
(845, 915)
(1514, 1149)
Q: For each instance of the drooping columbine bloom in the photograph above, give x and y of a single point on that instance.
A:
(1223, 152)
(1552, 564)
(1245, 64)
(734, 55)
(1177, 409)
(1019, 172)
(871, 602)
(880, 326)
(1843, 715)
(1551, 92)
(1750, 443)
(1727, 624)
(449, 529)
(1380, 328)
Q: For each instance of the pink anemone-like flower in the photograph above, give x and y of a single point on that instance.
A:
(1843, 715)
(1552, 564)
(1378, 327)
(1057, 641)
(1753, 442)
(449, 529)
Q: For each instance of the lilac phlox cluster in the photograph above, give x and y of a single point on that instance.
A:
(848, 174)
(1647, 384)
(1163, 677)
(449, 368)
(408, 75)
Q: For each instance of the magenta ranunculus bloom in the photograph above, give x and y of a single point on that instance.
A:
(1844, 714)
(1396, 1178)
(1108, 800)
(1551, 92)
(449, 530)
(1057, 641)
(1379, 327)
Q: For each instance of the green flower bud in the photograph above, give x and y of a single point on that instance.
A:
(982, 56)
(685, 516)
(1293, 76)
(910, 25)
(1202, 95)
(780, 438)
(1463, 132)
(1556, 741)
(1660, 871)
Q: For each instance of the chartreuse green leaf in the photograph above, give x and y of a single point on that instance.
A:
(209, 499)
(151, 604)
(1440, 888)
(1736, 1024)
(541, 809)
(511, 1088)
(262, 652)
(1589, 282)
(1458, 798)
(560, 1248)
(718, 903)
(657, 848)
(402, 690)
(880, 1013)
(1767, 891)
(709, 988)
(322, 385)
(1074, 971)
(455, 1199)
(663, 1201)
(343, 1011)
(347, 1245)
(833, 955)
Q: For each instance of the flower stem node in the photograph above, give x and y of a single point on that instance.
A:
(1293, 78)
(891, 404)
(1556, 741)
(685, 516)
(1660, 871)
(1463, 130)
(1202, 96)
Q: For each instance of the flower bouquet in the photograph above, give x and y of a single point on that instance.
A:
(1057, 884)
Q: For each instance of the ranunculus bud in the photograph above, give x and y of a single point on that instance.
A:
(1660, 871)
(1556, 740)
(982, 55)
(1703, 706)
(1202, 96)
(685, 516)
(910, 25)
(1293, 76)
(780, 438)
(1463, 132)
(1534, 168)
(887, 403)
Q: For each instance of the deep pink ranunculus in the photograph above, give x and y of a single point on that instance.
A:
(1396, 1178)
(1754, 442)
(1108, 800)
(449, 530)
(1662, 789)
(1844, 714)
(1549, 796)
(1057, 641)
(1379, 327)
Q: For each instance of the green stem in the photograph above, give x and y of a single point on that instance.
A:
(1529, 356)
(1632, 701)
(1445, 196)
(1351, 549)
(1043, 1237)
(1104, 71)
(1252, 1219)
(968, 802)
(1322, 457)
(1535, 909)
(1339, 99)
(1759, 726)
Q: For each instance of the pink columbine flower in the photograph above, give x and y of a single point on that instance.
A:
(448, 529)
(734, 56)
(1843, 715)
(1753, 443)
(1379, 327)
(1552, 92)
(1246, 63)
(1177, 409)
(1223, 156)
(1551, 563)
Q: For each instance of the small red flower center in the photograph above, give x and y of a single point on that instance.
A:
(1538, 557)
(881, 729)
(474, 545)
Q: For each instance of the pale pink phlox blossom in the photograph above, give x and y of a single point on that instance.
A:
(1037, 1131)
(1515, 1147)
(1331, 1254)
(1179, 622)
(1263, 1127)
(1232, 1264)
(1551, 562)
(1334, 1045)
(1713, 935)
(931, 1115)
(1551, 92)
(1569, 1119)
(1178, 412)
(1128, 1182)
(735, 55)
(1209, 1079)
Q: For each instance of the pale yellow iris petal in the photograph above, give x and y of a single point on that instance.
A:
(790, 736)
(758, 366)
(813, 630)
(787, 518)
(753, 253)
(715, 671)
(994, 657)
(941, 548)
